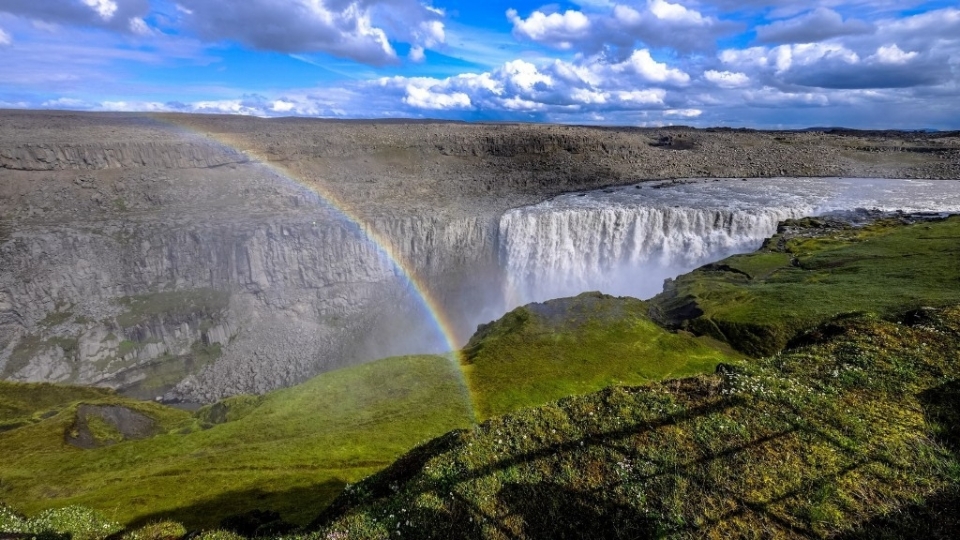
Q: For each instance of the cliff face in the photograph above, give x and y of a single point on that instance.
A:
(243, 305)
(159, 255)
(43, 157)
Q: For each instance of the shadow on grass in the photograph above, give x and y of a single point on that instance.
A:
(295, 505)
(551, 507)
(937, 517)
(551, 511)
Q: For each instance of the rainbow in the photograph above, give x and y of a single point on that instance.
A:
(404, 269)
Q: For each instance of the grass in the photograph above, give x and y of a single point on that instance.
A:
(845, 435)
(543, 352)
(759, 302)
(290, 451)
(851, 432)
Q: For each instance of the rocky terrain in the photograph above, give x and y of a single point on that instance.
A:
(190, 256)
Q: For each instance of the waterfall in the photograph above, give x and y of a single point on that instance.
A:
(626, 241)
(621, 250)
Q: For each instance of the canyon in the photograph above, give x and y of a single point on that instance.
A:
(189, 258)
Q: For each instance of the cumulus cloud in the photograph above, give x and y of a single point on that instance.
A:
(817, 25)
(585, 86)
(105, 8)
(423, 97)
(726, 79)
(559, 30)
(643, 65)
(5, 38)
(657, 23)
(834, 65)
(115, 15)
(357, 29)
(892, 54)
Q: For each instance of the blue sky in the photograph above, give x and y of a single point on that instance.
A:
(740, 63)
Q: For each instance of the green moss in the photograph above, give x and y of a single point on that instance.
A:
(228, 410)
(172, 304)
(104, 433)
(69, 345)
(55, 318)
(206, 354)
(164, 372)
(790, 446)
(31, 345)
(291, 453)
(126, 347)
(759, 302)
(542, 352)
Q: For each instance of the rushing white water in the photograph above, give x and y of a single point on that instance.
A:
(626, 241)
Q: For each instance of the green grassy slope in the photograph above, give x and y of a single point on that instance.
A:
(290, 451)
(854, 425)
(852, 435)
(758, 302)
(542, 352)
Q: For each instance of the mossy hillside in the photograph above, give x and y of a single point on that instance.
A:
(759, 302)
(542, 352)
(290, 451)
(22, 404)
(852, 435)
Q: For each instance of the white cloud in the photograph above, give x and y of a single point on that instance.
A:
(67, 103)
(5, 38)
(106, 9)
(524, 75)
(676, 13)
(556, 29)
(139, 26)
(727, 79)
(658, 23)
(642, 64)
(417, 54)
(892, 54)
(585, 86)
(423, 97)
(282, 106)
(361, 30)
(643, 97)
(683, 113)
(131, 106)
(110, 14)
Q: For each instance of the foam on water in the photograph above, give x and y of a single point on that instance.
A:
(627, 240)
